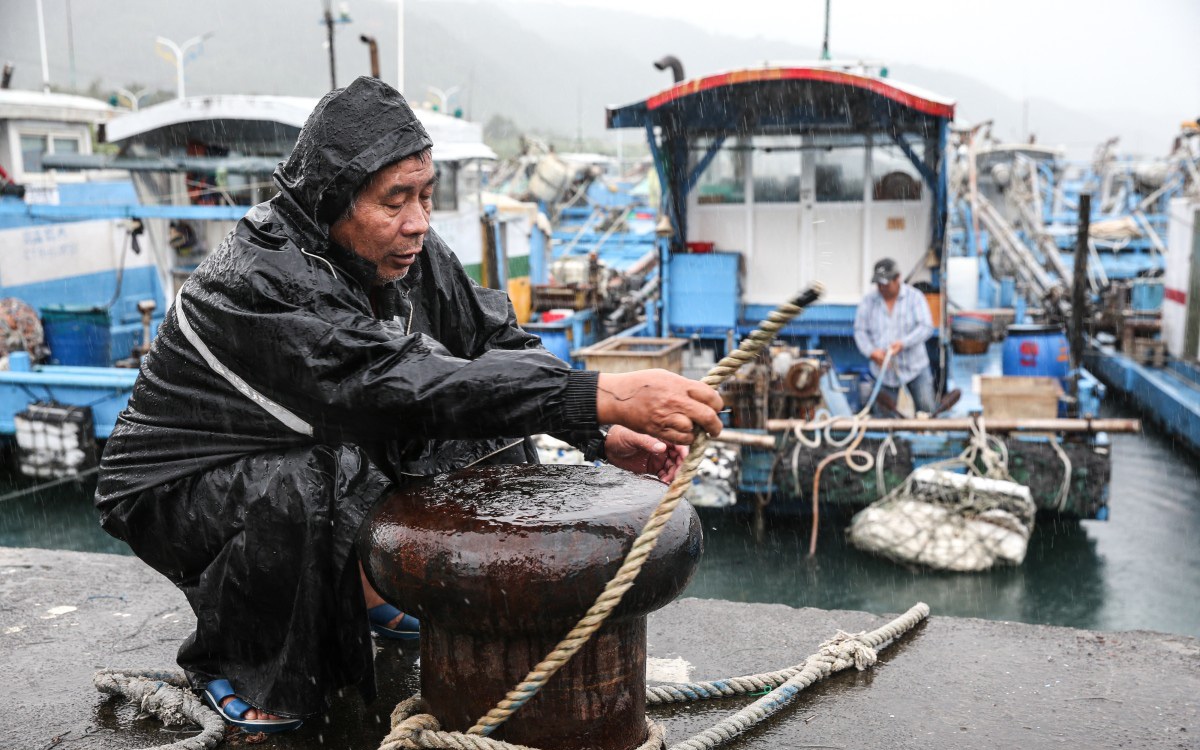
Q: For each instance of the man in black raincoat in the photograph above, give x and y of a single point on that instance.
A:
(330, 347)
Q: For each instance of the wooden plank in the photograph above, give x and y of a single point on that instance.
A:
(964, 425)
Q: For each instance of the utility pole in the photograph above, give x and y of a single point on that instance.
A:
(42, 36)
(825, 45)
(329, 35)
(400, 46)
(1079, 291)
(71, 44)
(342, 17)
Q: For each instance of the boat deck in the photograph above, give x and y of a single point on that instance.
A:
(1168, 395)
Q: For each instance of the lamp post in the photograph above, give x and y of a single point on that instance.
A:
(41, 17)
(444, 96)
(134, 97)
(330, 21)
(179, 55)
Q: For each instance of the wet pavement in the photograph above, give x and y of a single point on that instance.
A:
(952, 683)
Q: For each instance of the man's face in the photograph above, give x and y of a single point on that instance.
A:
(389, 222)
(889, 289)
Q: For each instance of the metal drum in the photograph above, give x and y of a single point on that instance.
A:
(1036, 350)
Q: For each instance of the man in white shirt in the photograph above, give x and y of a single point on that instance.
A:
(894, 319)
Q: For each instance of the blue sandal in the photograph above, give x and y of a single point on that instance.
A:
(408, 629)
(233, 711)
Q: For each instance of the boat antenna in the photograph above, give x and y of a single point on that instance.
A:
(825, 45)
(672, 62)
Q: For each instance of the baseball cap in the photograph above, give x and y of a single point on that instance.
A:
(885, 270)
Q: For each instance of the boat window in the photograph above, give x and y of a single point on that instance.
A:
(839, 174)
(66, 145)
(725, 179)
(445, 194)
(895, 177)
(776, 167)
(33, 148)
(470, 183)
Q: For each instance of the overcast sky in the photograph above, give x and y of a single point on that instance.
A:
(1105, 55)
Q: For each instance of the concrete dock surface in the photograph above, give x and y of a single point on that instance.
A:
(951, 683)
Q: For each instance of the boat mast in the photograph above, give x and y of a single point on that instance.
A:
(825, 45)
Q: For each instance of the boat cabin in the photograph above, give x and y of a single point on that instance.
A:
(211, 158)
(34, 124)
(777, 176)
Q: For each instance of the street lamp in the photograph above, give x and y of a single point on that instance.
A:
(180, 54)
(329, 21)
(134, 97)
(444, 96)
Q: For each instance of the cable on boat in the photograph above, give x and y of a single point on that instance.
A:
(823, 432)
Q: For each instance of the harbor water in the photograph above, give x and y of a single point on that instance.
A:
(1140, 570)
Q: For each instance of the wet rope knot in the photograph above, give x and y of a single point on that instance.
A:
(409, 721)
(167, 696)
(847, 649)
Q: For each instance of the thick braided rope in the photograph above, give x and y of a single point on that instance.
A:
(615, 589)
(415, 729)
(686, 692)
(165, 695)
(841, 652)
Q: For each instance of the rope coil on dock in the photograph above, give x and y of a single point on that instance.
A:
(413, 729)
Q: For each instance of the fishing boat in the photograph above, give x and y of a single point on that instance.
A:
(777, 176)
(80, 294)
(98, 240)
(1017, 213)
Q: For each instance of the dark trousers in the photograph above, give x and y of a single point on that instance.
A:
(263, 549)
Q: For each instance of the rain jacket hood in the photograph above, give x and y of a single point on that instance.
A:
(351, 134)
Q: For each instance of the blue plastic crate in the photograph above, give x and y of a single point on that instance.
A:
(562, 337)
(1146, 295)
(705, 290)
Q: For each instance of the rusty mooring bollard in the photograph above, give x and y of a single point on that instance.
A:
(499, 563)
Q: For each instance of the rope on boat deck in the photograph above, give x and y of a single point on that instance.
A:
(167, 696)
(823, 420)
(415, 729)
